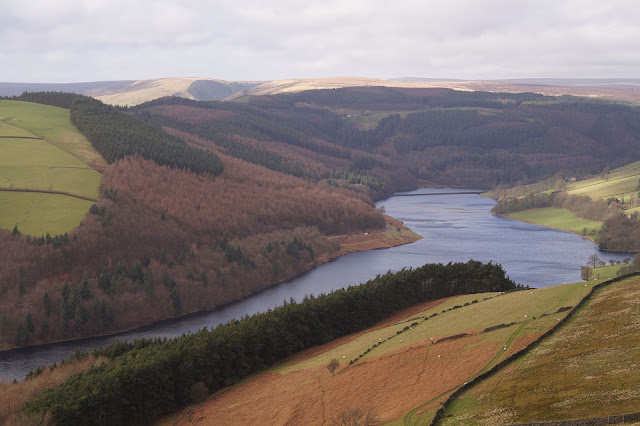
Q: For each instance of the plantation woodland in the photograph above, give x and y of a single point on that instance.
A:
(205, 203)
(151, 378)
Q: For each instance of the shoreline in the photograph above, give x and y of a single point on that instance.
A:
(374, 240)
(586, 237)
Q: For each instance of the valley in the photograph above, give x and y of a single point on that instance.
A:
(203, 204)
(404, 369)
(301, 213)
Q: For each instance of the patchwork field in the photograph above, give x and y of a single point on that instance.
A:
(620, 182)
(403, 369)
(52, 124)
(557, 218)
(41, 150)
(588, 368)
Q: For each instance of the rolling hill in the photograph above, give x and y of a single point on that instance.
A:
(167, 229)
(623, 89)
(404, 369)
(201, 89)
(42, 152)
(133, 92)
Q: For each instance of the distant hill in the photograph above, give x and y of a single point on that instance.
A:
(199, 89)
(621, 89)
(134, 92)
(16, 89)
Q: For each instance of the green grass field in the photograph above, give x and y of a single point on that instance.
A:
(37, 214)
(37, 164)
(607, 272)
(9, 130)
(557, 218)
(622, 181)
(588, 368)
(51, 123)
(60, 161)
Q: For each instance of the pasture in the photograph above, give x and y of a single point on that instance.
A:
(46, 153)
(585, 369)
(52, 124)
(39, 214)
(396, 368)
(557, 218)
(620, 182)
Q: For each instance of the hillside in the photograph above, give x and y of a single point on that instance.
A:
(202, 89)
(175, 230)
(398, 138)
(42, 152)
(618, 89)
(204, 203)
(185, 368)
(133, 92)
(603, 208)
(589, 369)
(405, 368)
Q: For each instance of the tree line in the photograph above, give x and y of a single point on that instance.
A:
(148, 379)
(115, 135)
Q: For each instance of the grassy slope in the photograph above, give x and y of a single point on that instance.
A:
(622, 181)
(556, 218)
(52, 124)
(586, 369)
(38, 214)
(388, 376)
(607, 272)
(60, 161)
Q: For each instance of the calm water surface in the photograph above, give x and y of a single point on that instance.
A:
(455, 227)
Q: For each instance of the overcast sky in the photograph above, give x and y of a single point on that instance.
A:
(73, 40)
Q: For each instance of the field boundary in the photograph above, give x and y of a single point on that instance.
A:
(592, 421)
(21, 137)
(439, 414)
(45, 191)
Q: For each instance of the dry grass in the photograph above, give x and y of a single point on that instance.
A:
(146, 90)
(404, 376)
(13, 396)
(298, 85)
(586, 369)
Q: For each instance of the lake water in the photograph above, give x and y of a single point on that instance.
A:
(456, 227)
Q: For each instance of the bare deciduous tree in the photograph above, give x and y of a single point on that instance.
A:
(358, 417)
(333, 365)
(593, 260)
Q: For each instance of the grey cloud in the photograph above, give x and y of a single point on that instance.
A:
(70, 40)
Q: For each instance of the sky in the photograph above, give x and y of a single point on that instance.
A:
(95, 40)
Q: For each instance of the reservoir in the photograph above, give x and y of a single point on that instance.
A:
(456, 225)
